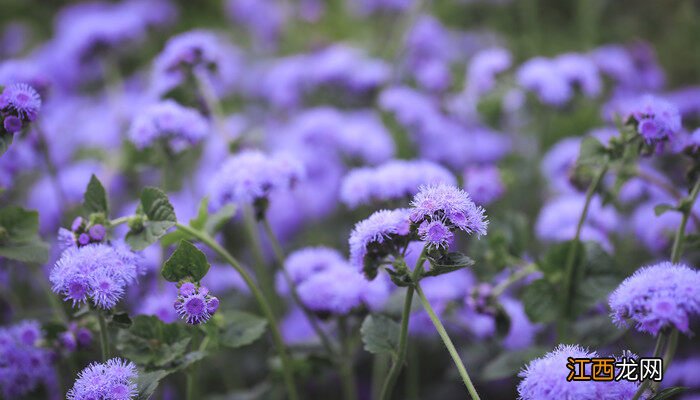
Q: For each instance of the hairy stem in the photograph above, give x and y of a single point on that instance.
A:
(677, 250)
(347, 372)
(262, 272)
(448, 343)
(262, 302)
(104, 336)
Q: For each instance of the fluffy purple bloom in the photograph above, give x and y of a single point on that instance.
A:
(484, 184)
(394, 180)
(264, 20)
(367, 7)
(24, 365)
(545, 379)
(114, 379)
(541, 76)
(558, 164)
(20, 100)
(252, 175)
(656, 297)
(449, 205)
(194, 304)
(656, 119)
(656, 232)
(96, 271)
(483, 68)
(436, 234)
(180, 127)
(199, 51)
(580, 71)
(335, 290)
(304, 263)
(160, 304)
(373, 238)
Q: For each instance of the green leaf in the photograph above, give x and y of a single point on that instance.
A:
(147, 383)
(186, 262)
(210, 223)
(5, 142)
(380, 334)
(241, 329)
(553, 263)
(160, 216)
(541, 301)
(596, 278)
(120, 320)
(592, 152)
(509, 363)
(596, 331)
(669, 393)
(662, 208)
(153, 343)
(19, 239)
(95, 198)
(447, 263)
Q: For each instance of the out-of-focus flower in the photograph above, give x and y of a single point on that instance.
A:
(656, 119)
(264, 19)
(541, 76)
(251, 176)
(394, 180)
(194, 304)
(545, 379)
(484, 184)
(180, 127)
(98, 272)
(114, 379)
(656, 297)
(580, 71)
(304, 263)
(160, 304)
(24, 365)
(483, 68)
(656, 231)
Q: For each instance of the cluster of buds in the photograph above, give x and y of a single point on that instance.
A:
(194, 304)
(75, 337)
(85, 233)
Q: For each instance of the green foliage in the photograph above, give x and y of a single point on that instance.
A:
(669, 393)
(509, 363)
(209, 223)
(380, 334)
(446, 263)
(154, 344)
(19, 239)
(187, 262)
(155, 215)
(240, 329)
(95, 198)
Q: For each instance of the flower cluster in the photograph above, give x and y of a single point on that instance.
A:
(194, 304)
(24, 365)
(74, 337)
(545, 379)
(180, 127)
(438, 210)
(657, 297)
(19, 105)
(377, 237)
(114, 379)
(394, 180)
(81, 234)
(656, 119)
(251, 176)
(99, 272)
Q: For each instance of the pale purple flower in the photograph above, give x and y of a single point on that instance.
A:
(541, 76)
(656, 119)
(580, 71)
(306, 262)
(114, 379)
(24, 364)
(483, 68)
(484, 184)
(449, 205)
(20, 101)
(436, 234)
(372, 240)
(194, 304)
(335, 290)
(180, 127)
(394, 180)
(656, 297)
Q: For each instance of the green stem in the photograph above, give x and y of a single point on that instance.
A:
(570, 266)
(379, 369)
(262, 302)
(513, 278)
(104, 336)
(279, 256)
(448, 343)
(262, 272)
(412, 375)
(677, 251)
(660, 341)
(120, 220)
(347, 371)
(189, 385)
(398, 361)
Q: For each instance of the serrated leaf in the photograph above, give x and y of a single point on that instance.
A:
(187, 261)
(380, 334)
(151, 342)
(541, 301)
(448, 263)
(509, 363)
(669, 393)
(95, 198)
(241, 329)
(19, 239)
(662, 208)
(5, 142)
(160, 216)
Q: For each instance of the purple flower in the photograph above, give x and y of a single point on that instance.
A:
(304, 263)
(373, 239)
(19, 103)
(450, 206)
(545, 379)
(97, 232)
(484, 184)
(180, 127)
(160, 304)
(394, 180)
(483, 68)
(336, 290)
(656, 119)
(435, 233)
(580, 71)
(252, 175)
(194, 304)
(656, 297)
(264, 20)
(541, 76)
(96, 271)
(24, 365)
(656, 232)
(114, 379)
